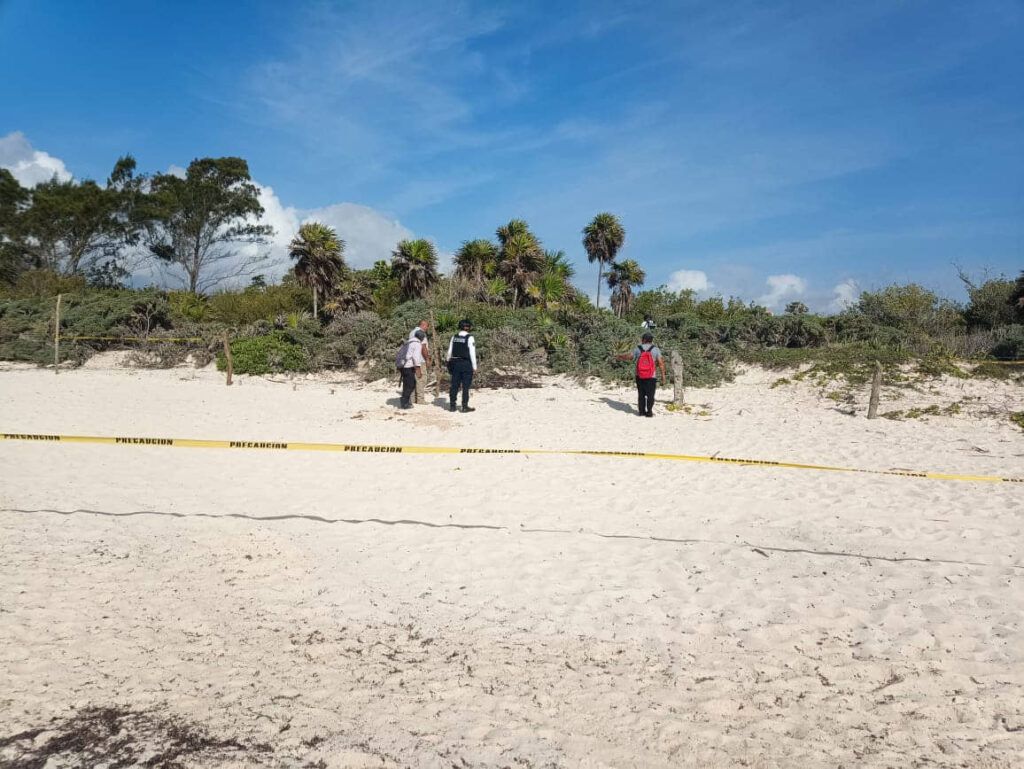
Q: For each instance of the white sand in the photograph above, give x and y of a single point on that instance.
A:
(607, 612)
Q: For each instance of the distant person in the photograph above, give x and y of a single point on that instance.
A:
(648, 358)
(461, 365)
(424, 327)
(410, 365)
(648, 324)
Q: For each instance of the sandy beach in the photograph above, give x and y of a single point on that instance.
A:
(310, 609)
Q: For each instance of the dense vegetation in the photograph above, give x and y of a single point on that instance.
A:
(81, 240)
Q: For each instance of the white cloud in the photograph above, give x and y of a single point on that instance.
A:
(689, 280)
(844, 295)
(781, 289)
(369, 235)
(28, 165)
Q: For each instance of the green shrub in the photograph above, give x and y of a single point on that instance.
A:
(41, 284)
(914, 311)
(186, 306)
(240, 308)
(990, 304)
(1009, 344)
(266, 354)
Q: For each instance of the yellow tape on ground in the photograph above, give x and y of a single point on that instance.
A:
(361, 448)
(152, 339)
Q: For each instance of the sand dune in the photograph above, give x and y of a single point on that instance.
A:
(346, 610)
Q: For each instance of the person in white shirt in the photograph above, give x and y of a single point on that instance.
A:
(410, 365)
(461, 365)
(424, 327)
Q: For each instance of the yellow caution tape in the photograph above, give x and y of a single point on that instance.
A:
(136, 338)
(194, 443)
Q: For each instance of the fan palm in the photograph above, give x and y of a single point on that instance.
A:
(602, 239)
(319, 258)
(520, 257)
(473, 258)
(622, 277)
(414, 263)
(549, 289)
(521, 260)
(495, 290)
(556, 262)
(351, 295)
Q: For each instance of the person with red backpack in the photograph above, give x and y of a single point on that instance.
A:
(648, 359)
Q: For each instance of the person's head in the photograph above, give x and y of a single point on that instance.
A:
(465, 325)
(647, 338)
(421, 334)
(424, 325)
(648, 318)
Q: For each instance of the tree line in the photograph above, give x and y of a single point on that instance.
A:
(203, 230)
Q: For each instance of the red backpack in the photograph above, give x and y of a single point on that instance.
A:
(645, 365)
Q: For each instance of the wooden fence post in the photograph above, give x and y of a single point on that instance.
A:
(876, 391)
(56, 338)
(227, 358)
(677, 378)
(435, 355)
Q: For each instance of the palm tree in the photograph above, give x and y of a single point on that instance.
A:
(519, 258)
(495, 290)
(549, 289)
(622, 277)
(350, 295)
(414, 263)
(319, 258)
(602, 239)
(473, 259)
(520, 264)
(555, 261)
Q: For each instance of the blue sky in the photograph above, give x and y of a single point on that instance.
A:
(769, 150)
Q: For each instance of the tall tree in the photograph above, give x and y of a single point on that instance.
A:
(198, 224)
(319, 258)
(414, 263)
(13, 198)
(1017, 297)
(474, 259)
(72, 227)
(520, 258)
(602, 239)
(622, 278)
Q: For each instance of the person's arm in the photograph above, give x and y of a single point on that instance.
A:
(627, 356)
(472, 351)
(418, 359)
(450, 343)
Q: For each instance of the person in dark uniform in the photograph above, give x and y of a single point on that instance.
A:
(461, 365)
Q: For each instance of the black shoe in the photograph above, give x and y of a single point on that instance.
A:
(405, 406)
(467, 409)
(453, 407)
(649, 414)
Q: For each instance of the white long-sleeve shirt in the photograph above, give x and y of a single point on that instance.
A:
(413, 354)
(472, 347)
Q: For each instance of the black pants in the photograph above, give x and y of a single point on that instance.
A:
(408, 385)
(462, 376)
(645, 395)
